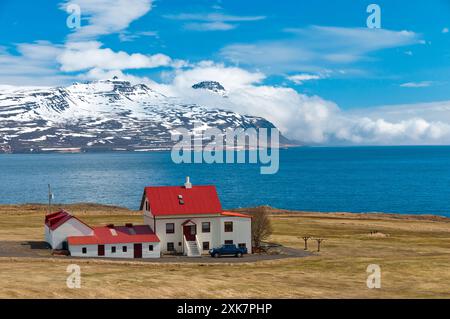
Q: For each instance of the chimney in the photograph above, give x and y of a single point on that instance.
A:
(188, 184)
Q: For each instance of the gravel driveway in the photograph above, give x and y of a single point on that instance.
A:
(38, 249)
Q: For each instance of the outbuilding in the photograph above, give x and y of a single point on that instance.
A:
(127, 241)
(60, 225)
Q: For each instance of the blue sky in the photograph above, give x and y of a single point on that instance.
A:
(317, 48)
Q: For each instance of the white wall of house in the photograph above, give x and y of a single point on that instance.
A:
(92, 250)
(241, 234)
(216, 237)
(147, 253)
(48, 235)
(148, 219)
(177, 237)
(77, 250)
(72, 227)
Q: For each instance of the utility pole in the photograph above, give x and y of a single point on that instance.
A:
(50, 197)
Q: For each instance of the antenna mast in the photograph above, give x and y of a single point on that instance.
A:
(50, 197)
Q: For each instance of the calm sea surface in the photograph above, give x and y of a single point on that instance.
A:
(356, 179)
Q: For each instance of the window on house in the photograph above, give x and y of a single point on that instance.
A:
(146, 205)
(179, 243)
(113, 249)
(242, 245)
(150, 247)
(124, 249)
(228, 242)
(206, 227)
(228, 227)
(206, 245)
(170, 228)
(170, 247)
(84, 250)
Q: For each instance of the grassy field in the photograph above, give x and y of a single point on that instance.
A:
(413, 253)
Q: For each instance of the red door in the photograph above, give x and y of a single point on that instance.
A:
(137, 250)
(101, 250)
(190, 232)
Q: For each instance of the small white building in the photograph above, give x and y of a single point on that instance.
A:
(127, 241)
(60, 225)
(190, 220)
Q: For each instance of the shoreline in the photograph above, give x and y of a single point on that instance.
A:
(150, 149)
(101, 209)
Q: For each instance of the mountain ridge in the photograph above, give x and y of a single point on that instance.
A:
(104, 115)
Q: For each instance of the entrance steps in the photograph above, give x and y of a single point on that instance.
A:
(193, 249)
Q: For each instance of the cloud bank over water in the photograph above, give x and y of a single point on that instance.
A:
(312, 119)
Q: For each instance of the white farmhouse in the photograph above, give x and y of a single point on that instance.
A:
(190, 220)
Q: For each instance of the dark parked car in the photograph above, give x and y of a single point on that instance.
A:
(227, 250)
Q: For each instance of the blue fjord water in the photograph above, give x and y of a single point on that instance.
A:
(413, 180)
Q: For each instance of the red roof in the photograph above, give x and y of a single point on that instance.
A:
(54, 220)
(178, 200)
(116, 235)
(233, 214)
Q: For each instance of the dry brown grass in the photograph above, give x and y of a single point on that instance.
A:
(414, 256)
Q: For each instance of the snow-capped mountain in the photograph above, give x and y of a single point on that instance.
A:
(103, 115)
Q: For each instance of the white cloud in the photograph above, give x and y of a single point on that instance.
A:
(315, 47)
(33, 64)
(231, 77)
(210, 26)
(79, 56)
(445, 30)
(211, 21)
(423, 123)
(126, 36)
(311, 119)
(213, 17)
(421, 84)
(46, 63)
(100, 74)
(300, 78)
(106, 17)
(356, 39)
